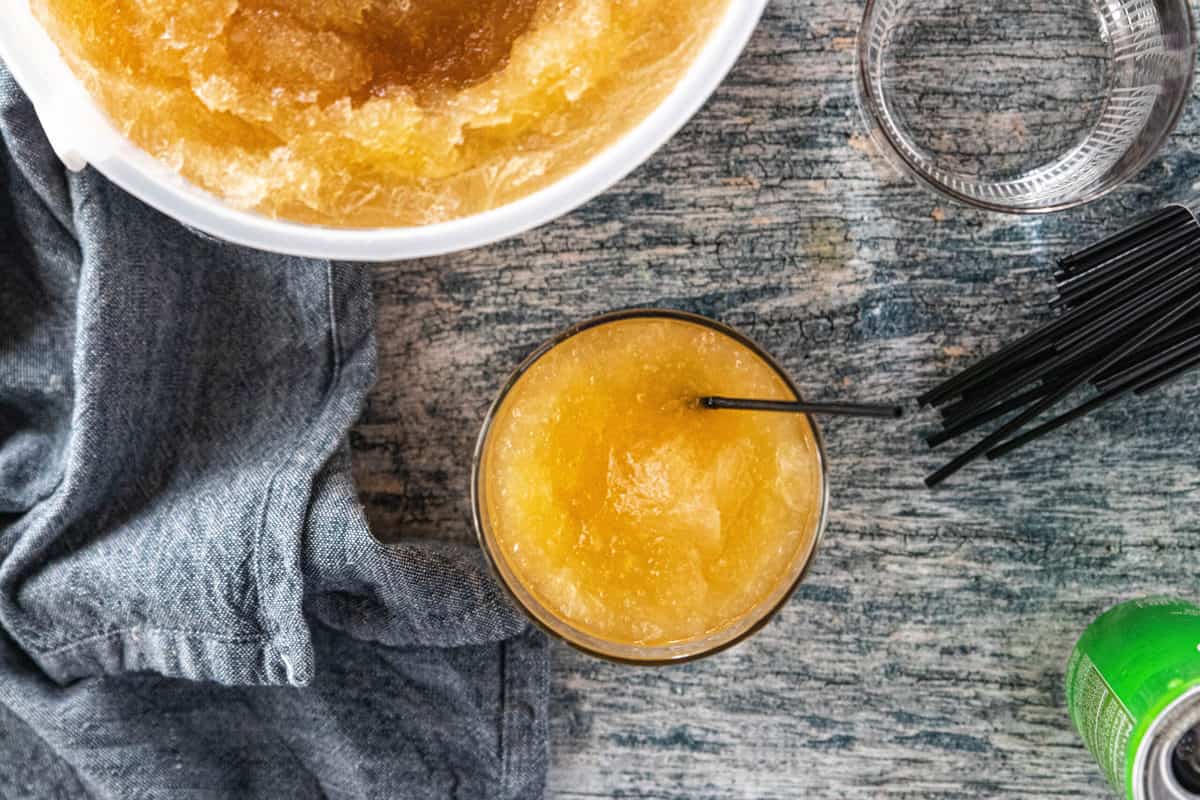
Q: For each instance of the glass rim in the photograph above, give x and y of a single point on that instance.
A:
(869, 103)
(493, 559)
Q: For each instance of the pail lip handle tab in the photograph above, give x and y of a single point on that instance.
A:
(65, 110)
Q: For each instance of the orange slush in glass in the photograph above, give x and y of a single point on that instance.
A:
(628, 520)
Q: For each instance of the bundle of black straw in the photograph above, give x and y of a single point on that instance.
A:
(1129, 321)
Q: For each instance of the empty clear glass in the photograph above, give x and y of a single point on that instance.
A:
(1024, 106)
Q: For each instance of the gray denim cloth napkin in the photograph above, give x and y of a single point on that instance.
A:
(191, 603)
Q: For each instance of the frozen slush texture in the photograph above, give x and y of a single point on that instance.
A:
(377, 112)
(632, 513)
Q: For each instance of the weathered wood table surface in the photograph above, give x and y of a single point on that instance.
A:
(924, 655)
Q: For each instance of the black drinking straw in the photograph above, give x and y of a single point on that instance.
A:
(968, 424)
(1154, 275)
(1057, 422)
(1137, 280)
(796, 407)
(1129, 322)
(1167, 377)
(1042, 369)
(1130, 313)
(1106, 248)
(1163, 263)
(956, 427)
(1153, 378)
(1040, 339)
(968, 403)
(1186, 329)
(1016, 423)
(1117, 324)
(1172, 354)
(1000, 387)
(1146, 253)
(1155, 221)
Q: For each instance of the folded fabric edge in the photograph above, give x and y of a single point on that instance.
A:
(525, 708)
(231, 661)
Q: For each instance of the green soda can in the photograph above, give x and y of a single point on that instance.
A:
(1133, 690)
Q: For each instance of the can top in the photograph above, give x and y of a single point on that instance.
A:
(1168, 762)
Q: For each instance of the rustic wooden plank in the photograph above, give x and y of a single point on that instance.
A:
(924, 655)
